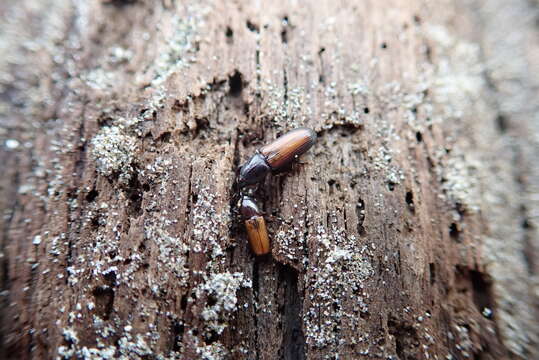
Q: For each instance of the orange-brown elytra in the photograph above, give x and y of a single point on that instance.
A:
(255, 225)
(276, 156)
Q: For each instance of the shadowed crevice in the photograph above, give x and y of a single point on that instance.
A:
(293, 345)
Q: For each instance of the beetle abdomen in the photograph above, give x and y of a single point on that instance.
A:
(285, 149)
(258, 235)
(255, 226)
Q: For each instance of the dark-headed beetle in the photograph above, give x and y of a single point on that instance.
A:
(276, 155)
(255, 225)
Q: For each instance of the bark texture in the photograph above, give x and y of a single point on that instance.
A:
(409, 231)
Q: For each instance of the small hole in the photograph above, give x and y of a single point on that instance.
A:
(183, 303)
(364, 314)
(235, 82)
(391, 186)
(360, 212)
(92, 195)
(501, 122)
(211, 337)
(229, 33)
(410, 201)
(454, 232)
(384, 45)
(212, 301)
(284, 36)
(252, 27)
(165, 137)
(104, 301)
(120, 3)
(418, 137)
(366, 110)
(110, 278)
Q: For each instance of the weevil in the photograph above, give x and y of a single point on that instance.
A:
(276, 156)
(255, 225)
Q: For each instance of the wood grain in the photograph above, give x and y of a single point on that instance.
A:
(408, 232)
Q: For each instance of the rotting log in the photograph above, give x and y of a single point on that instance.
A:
(408, 232)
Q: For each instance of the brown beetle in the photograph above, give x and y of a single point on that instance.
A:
(276, 156)
(255, 225)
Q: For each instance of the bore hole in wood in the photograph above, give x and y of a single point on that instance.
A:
(454, 232)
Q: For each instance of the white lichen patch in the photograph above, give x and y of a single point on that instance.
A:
(458, 77)
(133, 347)
(334, 113)
(129, 346)
(290, 243)
(456, 83)
(27, 49)
(208, 225)
(114, 151)
(184, 34)
(459, 179)
(100, 79)
(215, 351)
(172, 255)
(221, 288)
(288, 110)
(342, 268)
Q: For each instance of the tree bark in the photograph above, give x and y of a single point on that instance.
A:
(409, 231)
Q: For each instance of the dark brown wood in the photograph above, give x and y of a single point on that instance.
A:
(408, 232)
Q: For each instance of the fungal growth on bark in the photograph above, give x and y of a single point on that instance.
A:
(407, 231)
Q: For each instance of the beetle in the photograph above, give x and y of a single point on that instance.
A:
(276, 155)
(255, 225)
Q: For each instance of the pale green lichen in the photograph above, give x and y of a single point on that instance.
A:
(339, 275)
(114, 151)
(184, 35)
(286, 109)
(172, 254)
(222, 289)
(459, 178)
(215, 351)
(457, 83)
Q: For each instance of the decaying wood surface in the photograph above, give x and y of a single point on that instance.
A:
(408, 232)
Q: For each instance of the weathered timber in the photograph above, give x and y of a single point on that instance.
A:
(409, 231)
